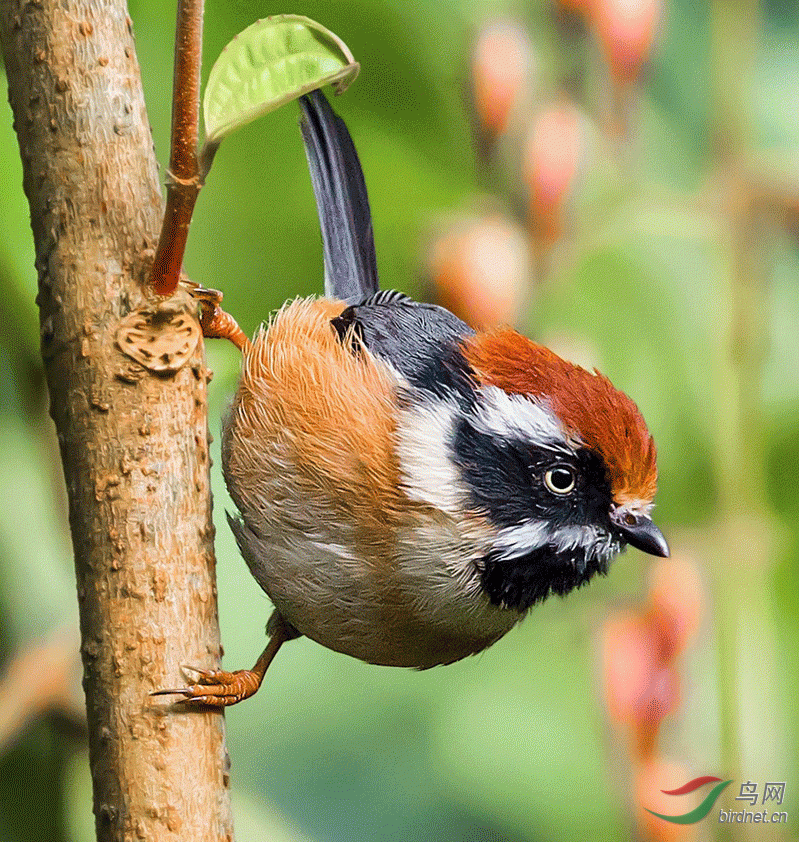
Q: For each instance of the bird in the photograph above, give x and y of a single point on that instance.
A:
(408, 487)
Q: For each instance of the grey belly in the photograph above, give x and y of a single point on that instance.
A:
(424, 612)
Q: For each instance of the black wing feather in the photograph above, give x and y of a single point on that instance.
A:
(420, 341)
(341, 200)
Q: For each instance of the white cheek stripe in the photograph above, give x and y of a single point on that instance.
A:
(424, 447)
(516, 541)
(518, 416)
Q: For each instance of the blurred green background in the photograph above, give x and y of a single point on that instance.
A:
(693, 313)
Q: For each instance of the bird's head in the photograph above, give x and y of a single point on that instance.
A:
(573, 474)
(554, 458)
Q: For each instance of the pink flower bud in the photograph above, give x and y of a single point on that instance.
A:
(551, 162)
(675, 594)
(631, 660)
(502, 63)
(481, 270)
(627, 31)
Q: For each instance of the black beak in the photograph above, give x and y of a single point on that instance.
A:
(639, 532)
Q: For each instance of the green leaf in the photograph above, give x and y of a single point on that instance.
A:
(268, 64)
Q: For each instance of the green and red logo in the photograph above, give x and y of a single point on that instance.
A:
(698, 813)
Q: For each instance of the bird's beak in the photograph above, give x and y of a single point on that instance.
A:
(639, 532)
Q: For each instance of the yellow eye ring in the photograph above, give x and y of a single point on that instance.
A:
(560, 480)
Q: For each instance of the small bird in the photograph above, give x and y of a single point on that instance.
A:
(409, 488)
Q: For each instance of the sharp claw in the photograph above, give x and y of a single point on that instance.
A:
(211, 701)
(191, 696)
(214, 688)
(196, 677)
(177, 691)
(193, 700)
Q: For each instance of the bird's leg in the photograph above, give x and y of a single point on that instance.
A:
(218, 688)
(215, 322)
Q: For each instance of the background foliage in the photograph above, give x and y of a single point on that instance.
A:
(646, 279)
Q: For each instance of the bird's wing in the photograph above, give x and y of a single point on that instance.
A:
(342, 202)
(422, 342)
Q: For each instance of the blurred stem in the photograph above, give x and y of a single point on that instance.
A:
(741, 542)
(734, 38)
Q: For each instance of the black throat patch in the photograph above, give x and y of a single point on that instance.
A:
(506, 480)
(520, 583)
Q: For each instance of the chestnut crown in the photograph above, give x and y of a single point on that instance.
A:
(594, 413)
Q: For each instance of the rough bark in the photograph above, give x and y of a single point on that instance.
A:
(134, 445)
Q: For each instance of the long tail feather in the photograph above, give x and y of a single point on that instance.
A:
(342, 202)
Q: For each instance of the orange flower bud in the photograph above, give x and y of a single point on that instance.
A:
(650, 781)
(626, 29)
(551, 160)
(481, 270)
(502, 62)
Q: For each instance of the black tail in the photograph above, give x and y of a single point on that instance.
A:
(342, 202)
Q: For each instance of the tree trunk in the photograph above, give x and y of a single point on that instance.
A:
(134, 444)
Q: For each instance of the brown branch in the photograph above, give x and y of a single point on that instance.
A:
(134, 445)
(184, 182)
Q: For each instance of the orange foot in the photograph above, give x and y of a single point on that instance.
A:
(216, 688)
(220, 689)
(215, 322)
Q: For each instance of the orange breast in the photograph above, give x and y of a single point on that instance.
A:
(329, 410)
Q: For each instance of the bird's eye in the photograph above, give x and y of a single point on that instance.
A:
(560, 480)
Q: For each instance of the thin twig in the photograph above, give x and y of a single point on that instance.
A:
(40, 677)
(184, 182)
